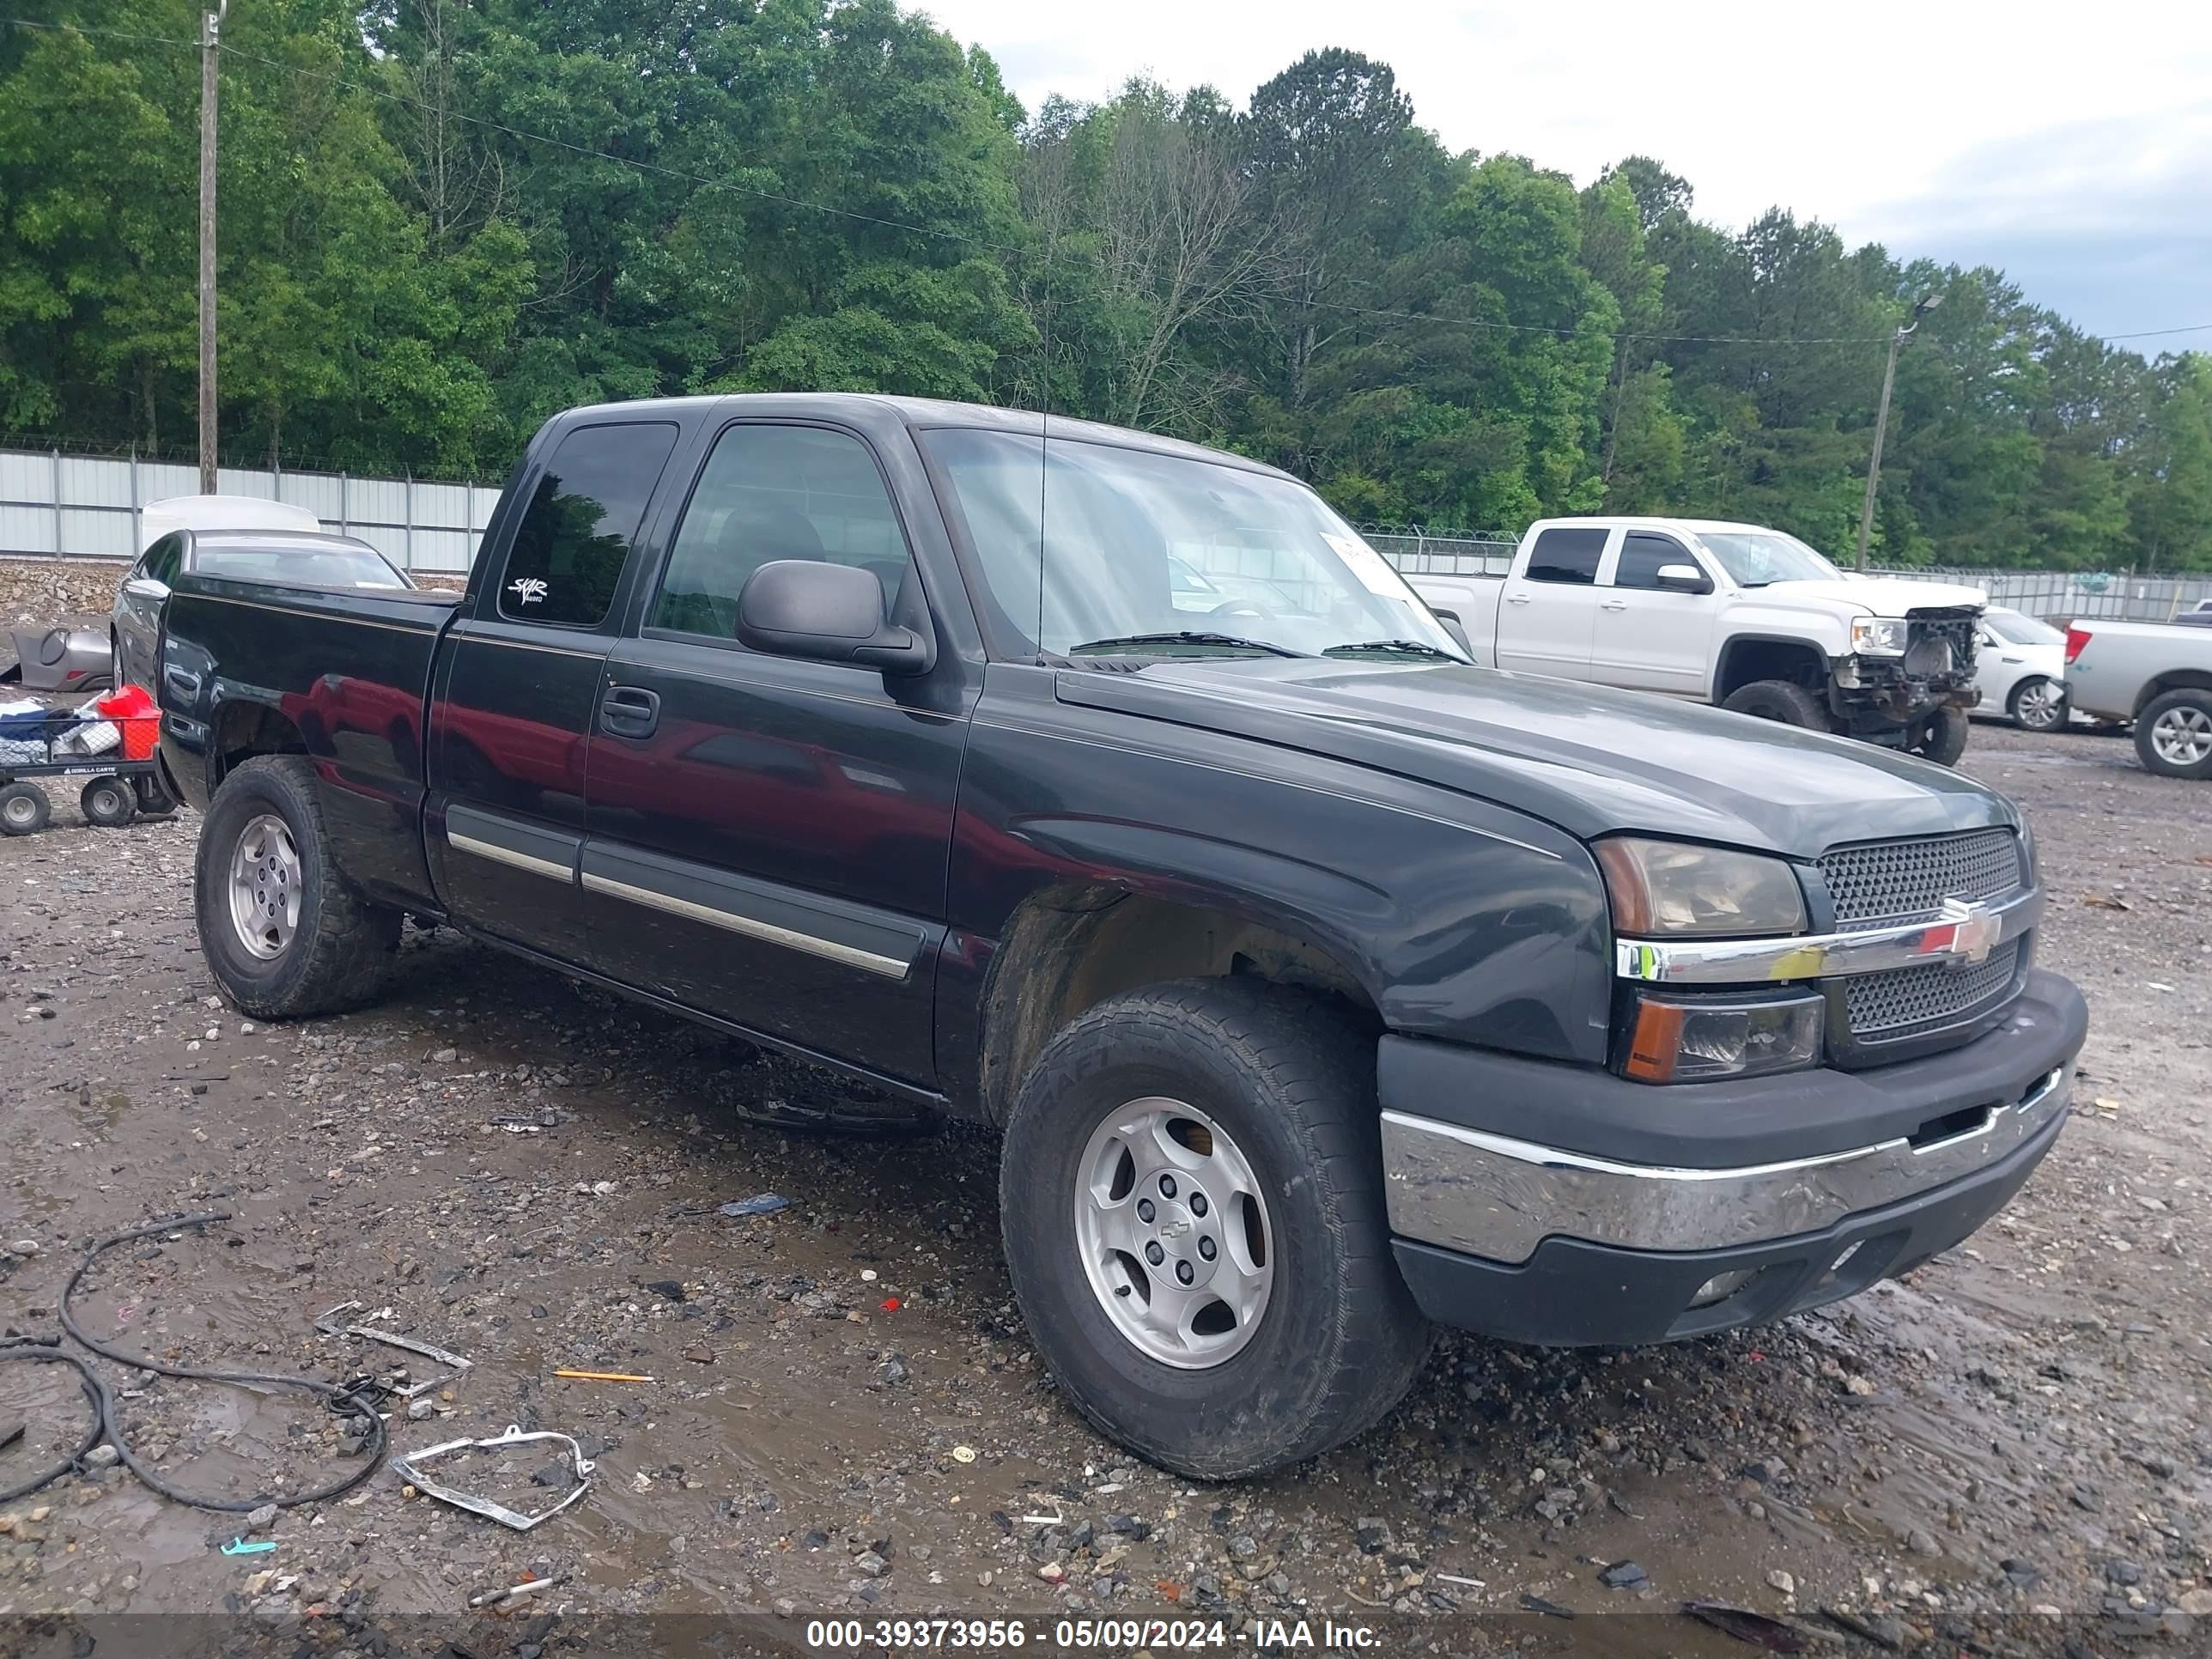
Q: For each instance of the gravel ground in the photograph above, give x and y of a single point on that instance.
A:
(2005, 1452)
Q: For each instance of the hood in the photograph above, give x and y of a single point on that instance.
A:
(1878, 596)
(1591, 760)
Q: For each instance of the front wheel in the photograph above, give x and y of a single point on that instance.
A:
(24, 809)
(1938, 736)
(2174, 735)
(282, 933)
(1784, 701)
(2038, 704)
(1191, 1196)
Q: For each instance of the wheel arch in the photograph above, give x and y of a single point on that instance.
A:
(1069, 947)
(1745, 658)
(2178, 679)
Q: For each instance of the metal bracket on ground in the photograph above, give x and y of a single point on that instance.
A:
(328, 1325)
(409, 1469)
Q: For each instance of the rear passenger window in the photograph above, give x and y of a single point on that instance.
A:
(576, 535)
(777, 492)
(1567, 554)
(1642, 556)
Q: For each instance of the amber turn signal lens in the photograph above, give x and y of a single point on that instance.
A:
(1690, 1039)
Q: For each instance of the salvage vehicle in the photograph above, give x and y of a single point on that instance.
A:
(1326, 988)
(1733, 614)
(2019, 667)
(2156, 674)
(305, 556)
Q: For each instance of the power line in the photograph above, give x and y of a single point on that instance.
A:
(1009, 249)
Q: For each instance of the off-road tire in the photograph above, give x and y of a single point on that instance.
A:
(2056, 723)
(1940, 736)
(2183, 701)
(24, 809)
(108, 803)
(339, 953)
(1290, 1076)
(1781, 700)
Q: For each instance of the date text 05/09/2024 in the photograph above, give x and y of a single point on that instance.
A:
(1097, 1635)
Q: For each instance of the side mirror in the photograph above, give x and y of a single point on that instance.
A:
(146, 588)
(1682, 579)
(827, 613)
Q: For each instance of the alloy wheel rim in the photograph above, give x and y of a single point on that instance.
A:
(2182, 737)
(2038, 705)
(1175, 1234)
(264, 887)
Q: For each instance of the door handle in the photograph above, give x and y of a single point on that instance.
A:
(630, 711)
(1518, 598)
(1613, 605)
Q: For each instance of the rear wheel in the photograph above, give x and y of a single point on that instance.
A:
(2174, 735)
(1192, 1203)
(2038, 704)
(108, 803)
(282, 933)
(1781, 700)
(1938, 736)
(24, 809)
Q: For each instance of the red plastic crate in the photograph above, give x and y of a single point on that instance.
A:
(141, 737)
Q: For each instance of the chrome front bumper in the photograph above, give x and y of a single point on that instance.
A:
(1491, 1196)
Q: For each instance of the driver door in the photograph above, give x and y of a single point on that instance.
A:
(1652, 638)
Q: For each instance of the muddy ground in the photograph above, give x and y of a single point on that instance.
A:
(2005, 1453)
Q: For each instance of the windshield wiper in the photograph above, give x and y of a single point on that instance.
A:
(1394, 647)
(1230, 641)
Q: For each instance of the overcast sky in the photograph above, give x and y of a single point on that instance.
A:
(2070, 146)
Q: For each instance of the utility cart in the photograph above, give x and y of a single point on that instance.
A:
(122, 779)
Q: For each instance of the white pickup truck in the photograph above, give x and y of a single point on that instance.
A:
(2156, 674)
(1734, 614)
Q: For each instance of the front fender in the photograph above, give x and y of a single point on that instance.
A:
(1459, 919)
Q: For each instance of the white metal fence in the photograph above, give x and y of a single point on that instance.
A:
(55, 504)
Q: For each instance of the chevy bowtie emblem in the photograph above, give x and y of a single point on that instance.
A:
(1173, 1229)
(1967, 934)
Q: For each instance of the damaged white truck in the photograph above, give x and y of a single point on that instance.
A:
(1733, 614)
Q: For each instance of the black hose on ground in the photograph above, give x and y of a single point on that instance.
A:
(105, 1426)
(48, 1349)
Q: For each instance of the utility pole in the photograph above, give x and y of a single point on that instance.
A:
(1925, 304)
(210, 28)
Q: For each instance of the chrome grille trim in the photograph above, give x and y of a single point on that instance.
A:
(1890, 881)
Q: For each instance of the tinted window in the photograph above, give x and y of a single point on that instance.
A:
(777, 492)
(163, 557)
(576, 535)
(1567, 555)
(1642, 554)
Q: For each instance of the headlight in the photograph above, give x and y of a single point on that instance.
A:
(1878, 636)
(1675, 1040)
(1662, 888)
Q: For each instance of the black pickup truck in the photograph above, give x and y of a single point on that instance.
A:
(1114, 791)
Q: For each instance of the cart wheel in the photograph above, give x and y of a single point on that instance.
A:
(24, 809)
(154, 800)
(108, 803)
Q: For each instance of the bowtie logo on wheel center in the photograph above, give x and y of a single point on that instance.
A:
(1183, 1246)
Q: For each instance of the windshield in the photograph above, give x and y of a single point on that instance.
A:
(2017, 629)
(315, 567)
(1134, 545)
(1754, 558)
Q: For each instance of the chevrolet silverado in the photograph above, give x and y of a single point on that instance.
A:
(1114, 791)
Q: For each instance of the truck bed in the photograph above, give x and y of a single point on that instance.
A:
(363, 728)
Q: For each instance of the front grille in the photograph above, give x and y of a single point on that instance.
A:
(1883, 1007)
(1884, 880)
